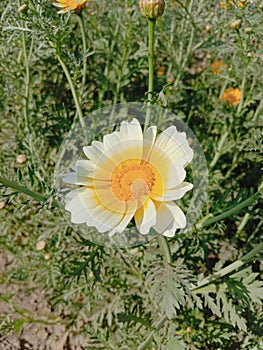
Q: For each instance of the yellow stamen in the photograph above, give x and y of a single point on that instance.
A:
(133, 179)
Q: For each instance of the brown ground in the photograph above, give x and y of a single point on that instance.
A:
(46, 332)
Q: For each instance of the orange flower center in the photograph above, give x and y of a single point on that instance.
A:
(133, 179)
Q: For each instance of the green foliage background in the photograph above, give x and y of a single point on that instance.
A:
(133, 298)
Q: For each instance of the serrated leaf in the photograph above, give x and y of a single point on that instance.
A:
(173, 344)
(212, 305)
(169, 287)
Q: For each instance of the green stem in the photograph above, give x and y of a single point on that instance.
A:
(232, 211)
(228, 269)
(219, 149)
(242, 89)
(165, 248)
(258, 111)
(147, 342)
(84, 44)
(123, 62)
(73, 90)
(35, 195)
(151, 28)
(27, 83)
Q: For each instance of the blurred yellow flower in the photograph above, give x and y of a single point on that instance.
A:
(131, 174)
(216, 66)
(232, 96)
(69, 5)
(231, 2)
(222, 4)
(161, 71)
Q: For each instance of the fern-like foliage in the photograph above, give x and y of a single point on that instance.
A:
(233, 296)
(169, 286)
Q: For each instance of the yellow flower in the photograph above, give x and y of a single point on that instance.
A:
(232, 3)
(131, 175)
(232, 96)
(216, 66)
(69, 5)
(160, 71)
(222, 4)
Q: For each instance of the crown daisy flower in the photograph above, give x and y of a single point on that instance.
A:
(232, 96)
(69, 5)
(131, 175)
(217, 66)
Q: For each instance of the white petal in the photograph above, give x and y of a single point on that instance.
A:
(171, 174)
(178, 192)
(145, 217)
(103, 219)
(99, 146)
(175, 146)
(76, 179)
(94, 151)
(79, 203)
(86, 165)
(125, 221)
(85, 207)
(117, 153)
(131, 131)
(58, 5)
(148, 141)
(82, 175)
(111, 139)
(108, 200)
(169, 218)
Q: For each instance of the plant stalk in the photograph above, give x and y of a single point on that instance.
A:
(84, 45)
(151, 28)
(165, 248)
(147, 342)
(35, 195)
(73, 90)
(227, 270)
(27, 82)
(236, 209)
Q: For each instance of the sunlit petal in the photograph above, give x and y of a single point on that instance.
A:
(169, 218)
(79, 203)
(175, 193)
(131, 209)
(175, 146)
(145, 217)
(131, 131)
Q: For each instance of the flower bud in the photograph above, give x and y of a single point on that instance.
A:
(235, 24)
(152, 8)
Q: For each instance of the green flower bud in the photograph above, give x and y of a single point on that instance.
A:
(152, 8)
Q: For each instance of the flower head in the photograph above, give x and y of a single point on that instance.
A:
(69, 5)
(216, 66)
(152, 8)
(232, 96)
(231, 3)
(131, 175)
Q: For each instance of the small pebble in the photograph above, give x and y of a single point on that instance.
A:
(21, 158)
(41, 245)
(2, 205)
